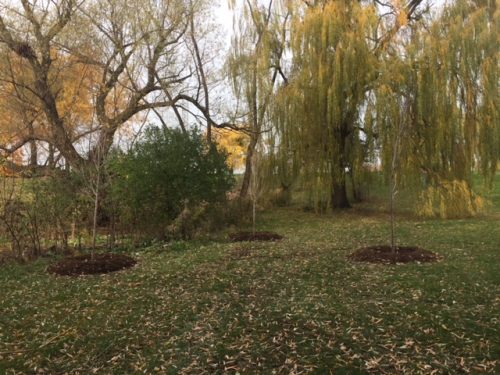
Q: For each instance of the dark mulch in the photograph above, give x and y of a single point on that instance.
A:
(402, 254)
(86, 265)
(254, 236)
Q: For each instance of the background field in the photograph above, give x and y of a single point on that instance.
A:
(296, 306)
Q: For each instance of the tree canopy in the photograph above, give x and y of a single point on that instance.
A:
(357, 79)
(322, 88)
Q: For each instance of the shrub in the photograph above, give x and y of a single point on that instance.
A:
(42, 213)
(19, 228)
(19, 222)
(60, 205)
(164, 175)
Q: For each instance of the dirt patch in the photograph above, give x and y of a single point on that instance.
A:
(88, 265)
(401, 254)
(254, 236)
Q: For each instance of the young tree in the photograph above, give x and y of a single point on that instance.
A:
(392, 116)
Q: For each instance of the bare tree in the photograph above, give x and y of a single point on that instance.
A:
(137, 62)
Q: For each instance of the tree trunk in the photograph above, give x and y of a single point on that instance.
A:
(339, 195)
(103, 145)
(33, 154)
(96, 211)
(391, 198)
(248, 167)
(339, 190)
(356, 188)
(33, 148)
(50, 158)
(202, 76)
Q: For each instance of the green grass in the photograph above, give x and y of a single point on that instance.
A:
(290, 307)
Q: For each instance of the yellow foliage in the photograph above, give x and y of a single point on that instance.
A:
(71, 82)
(74, 87)
(234, 143)
(403, 18)
(450, 200)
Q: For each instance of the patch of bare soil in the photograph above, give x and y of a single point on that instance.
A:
(254, 236)
(400, 254)
(88, 265)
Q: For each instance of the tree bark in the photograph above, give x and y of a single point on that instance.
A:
(50, 157)
(339, 195)
(203, 79)
(33, 147)
(339, 190)
(33, 154)
(248, 167)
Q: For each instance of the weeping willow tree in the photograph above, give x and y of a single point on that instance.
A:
(446, 93)
(318, 111)
(337, 49)
(357, 81)
(254, 67)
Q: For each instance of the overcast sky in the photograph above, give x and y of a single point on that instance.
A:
(225, 15)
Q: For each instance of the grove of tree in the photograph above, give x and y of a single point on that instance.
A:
(321, 89)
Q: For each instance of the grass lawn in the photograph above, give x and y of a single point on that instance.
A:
(297, 306)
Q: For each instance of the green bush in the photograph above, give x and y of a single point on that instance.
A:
(164, 175)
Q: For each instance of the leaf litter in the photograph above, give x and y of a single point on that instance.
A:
(290, 307)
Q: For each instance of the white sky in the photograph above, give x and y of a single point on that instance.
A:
(225, 15)
(225, 19)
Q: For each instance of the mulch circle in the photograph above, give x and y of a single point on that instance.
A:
(254, 236)
(385, 254)
(88, 265)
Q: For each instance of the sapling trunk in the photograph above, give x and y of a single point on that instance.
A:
(96, 191)
(254, 194)
(391, 198)
(393, 182)
(73, 230)
(96, 209)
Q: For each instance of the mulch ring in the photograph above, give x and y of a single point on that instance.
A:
(401, 254)
(88, 265)
(254, 236)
